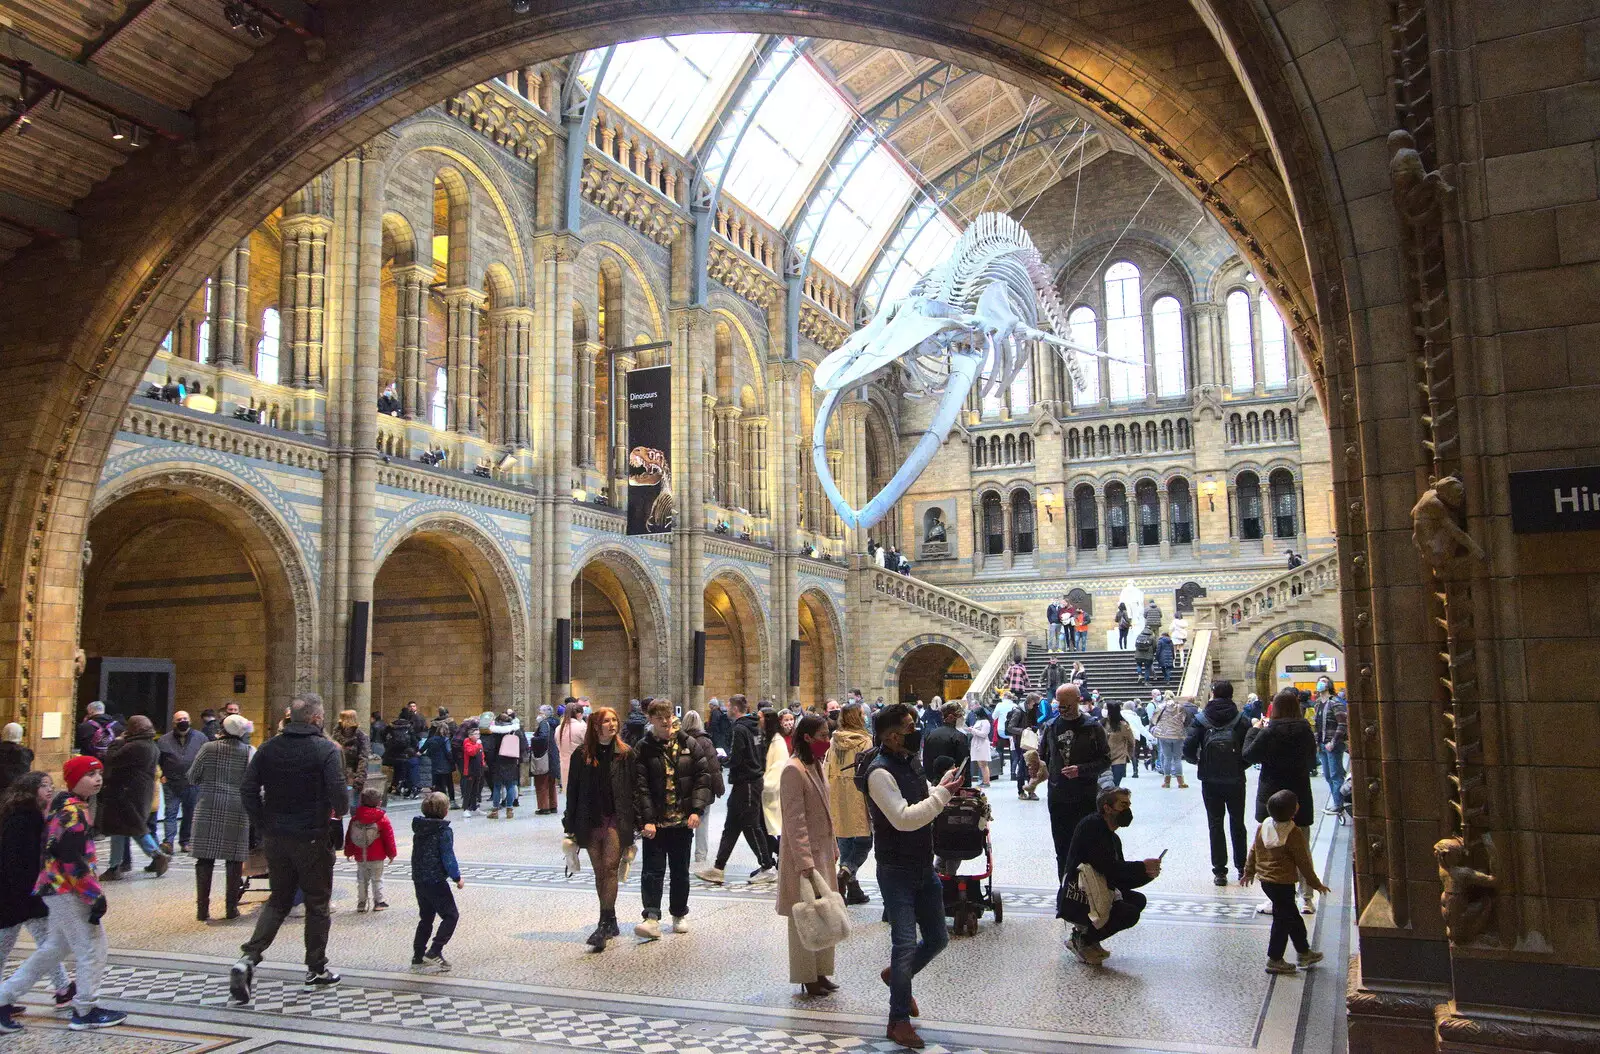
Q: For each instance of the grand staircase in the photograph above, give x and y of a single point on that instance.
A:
(1112, 673)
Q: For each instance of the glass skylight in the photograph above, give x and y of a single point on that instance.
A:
(671, 85)
(924, 255)
(868, 204)
(793, 134)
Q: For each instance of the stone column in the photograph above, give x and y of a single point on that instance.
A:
(1069, 516)
(1257, 362)
(757, 488)
(1207, 320)
(826, 512)
(1164, 518)
(552, 395)
(591, 358)
(711, 451)
(232, 302)
(619, 410)
(1008, 525)
(693, 334)
(854, 483)
(461, 307)
(411, 339)
(1102, 535)
(730, 433)
(783, 412)
(512, 328)
(302, 301)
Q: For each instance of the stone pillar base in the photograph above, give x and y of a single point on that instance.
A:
(1386, 1020)
(1475, 1031)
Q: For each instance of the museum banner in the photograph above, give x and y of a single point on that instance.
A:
(651, 506)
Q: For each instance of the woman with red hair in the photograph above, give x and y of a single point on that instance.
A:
(599, 815)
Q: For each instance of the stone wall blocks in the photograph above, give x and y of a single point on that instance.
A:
(1536, 179)
(1306, 26)
(1328, 71)
(1530, 61)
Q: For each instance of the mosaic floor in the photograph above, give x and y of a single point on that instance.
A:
(1188, 978)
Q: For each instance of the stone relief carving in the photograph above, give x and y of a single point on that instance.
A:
(1466, 902)
(1434, 530)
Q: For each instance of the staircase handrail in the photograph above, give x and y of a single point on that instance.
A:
(997, 662)
(940, 603)
(1284, 589)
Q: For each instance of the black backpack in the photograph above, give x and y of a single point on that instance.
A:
(1219, 751)
(863, 766)
(1014, 721)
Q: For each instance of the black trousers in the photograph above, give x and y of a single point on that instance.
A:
(1225, 800)
(1287, 925)
(744, 818)
(1064, 819)
(668, 850)
(1124, 915)
(434, 899)
(296, 863)
(445, 783)
(471, 792)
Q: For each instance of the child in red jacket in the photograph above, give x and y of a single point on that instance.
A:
(369, 841)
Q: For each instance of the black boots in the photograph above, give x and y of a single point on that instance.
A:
(851, 889)
(234, 872)
(603, 931)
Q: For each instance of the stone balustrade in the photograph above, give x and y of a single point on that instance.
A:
(940, 603)
(1271, 598)
(749, 234)
(1143, 436)
(635, 151)
(206, 431)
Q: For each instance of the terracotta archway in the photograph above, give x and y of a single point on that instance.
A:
(619, 579)
(736, 638)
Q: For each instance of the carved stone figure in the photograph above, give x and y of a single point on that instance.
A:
(1434, 530)
(1467, 902)
(1417, 192)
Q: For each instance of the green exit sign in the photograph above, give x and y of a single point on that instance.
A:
(577, 643)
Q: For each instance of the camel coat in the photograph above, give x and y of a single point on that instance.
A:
(808, 841)
(849, 805)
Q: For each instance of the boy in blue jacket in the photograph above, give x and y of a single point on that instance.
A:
(433, 867)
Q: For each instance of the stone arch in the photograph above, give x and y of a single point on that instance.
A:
(819, 607)
(400, 240)
(1264, 652)
(502, 592)
(746, 621)
(740, 326)
(620, 256)
(891, 668)
(621, 575)
(287, 582)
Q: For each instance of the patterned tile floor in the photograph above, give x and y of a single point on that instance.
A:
(1188, 978)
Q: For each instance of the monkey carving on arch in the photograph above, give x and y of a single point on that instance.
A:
(1434, 530)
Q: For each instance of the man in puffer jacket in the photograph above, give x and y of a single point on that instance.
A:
(672, 791)
(1216, 747)
(746, 767)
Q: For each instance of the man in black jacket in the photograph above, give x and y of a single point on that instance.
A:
(1216, 747)
(720, 727)
(1074, 752)
(673, 791)
(947, 746)
(292, 789)
(1095, 842)
(179, 747)
(746, 766)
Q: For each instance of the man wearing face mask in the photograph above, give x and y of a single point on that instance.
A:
(902, 807)
(1077, 756)
(1099, 897)
(178, 748)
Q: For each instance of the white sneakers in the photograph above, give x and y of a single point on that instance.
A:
(713, 875)
(680, 924)
(649, 930)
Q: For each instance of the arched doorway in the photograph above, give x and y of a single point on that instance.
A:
(617, 633)
(736, 635)
(933, 669)
(430, 633)
(190, 569)
(1295, 655)
(821, 642)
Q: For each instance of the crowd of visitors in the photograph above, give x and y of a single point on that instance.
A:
(814, 795)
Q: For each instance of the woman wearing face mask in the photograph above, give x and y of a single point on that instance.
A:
(1096, 873)
(775, 728)
(600, 813)
(809, 848)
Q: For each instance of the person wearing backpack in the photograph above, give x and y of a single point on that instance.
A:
(97, 731)
(1216, 748)
(545, 763)
(369, 841)
(507, 748)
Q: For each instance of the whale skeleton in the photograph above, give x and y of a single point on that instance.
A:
(971, 315)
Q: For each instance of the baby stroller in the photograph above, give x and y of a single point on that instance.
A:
(960, 833)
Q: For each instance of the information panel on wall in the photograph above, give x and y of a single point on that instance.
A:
(652, 509)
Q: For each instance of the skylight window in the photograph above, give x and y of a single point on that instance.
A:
(872, 196)
(671, 85)
(789, 142)
(926, 253)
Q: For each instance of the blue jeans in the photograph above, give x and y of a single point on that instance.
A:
(414, 775)
(174, 799)
(853, 852)
(1333, 772)
(503, 792)
(1083, 639)
(119, 847)
(914, 902)
(1169, 757)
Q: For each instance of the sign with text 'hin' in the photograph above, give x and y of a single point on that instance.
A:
(1558, 499)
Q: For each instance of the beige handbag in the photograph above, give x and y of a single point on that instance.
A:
(819, 915)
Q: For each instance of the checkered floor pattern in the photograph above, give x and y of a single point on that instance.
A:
(409, 1011)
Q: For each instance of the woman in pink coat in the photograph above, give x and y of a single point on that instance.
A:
(808, 845)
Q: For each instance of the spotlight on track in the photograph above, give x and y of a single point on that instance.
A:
(521, 7)
(118, 133)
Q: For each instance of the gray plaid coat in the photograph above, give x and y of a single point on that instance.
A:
(221, 826)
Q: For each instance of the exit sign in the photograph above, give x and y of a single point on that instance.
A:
(577, 643)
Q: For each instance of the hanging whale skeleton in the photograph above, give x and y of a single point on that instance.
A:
(972, 314)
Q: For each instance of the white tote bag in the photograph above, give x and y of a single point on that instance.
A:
(819, 915)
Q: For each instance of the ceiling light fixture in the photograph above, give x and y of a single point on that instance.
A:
(117, 134)
(236, 14)
(55, 99)
(521, 7)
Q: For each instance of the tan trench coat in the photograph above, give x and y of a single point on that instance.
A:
(808, 840)
(849, 805)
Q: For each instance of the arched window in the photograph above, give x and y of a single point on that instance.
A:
(1086, 331)
(1274, 347)
(1241, 360)
(1270, 425)
(1252, 427)
(1183, 433)
(994, 524)
(1166, 333)
(1087, 516)
(1025, 448)
(1249, 488)
(1181, 511)
(1166, 435)
(202, 333)
(1149, 502)
(1281, 488)
(1011, 450)
(1124, 332)
(1105, 441)
(1235, 429)
(980, 451)
(1117, 515)
(438, 412)
(1138, 440)
(1150, 436)
(1286, 424)
(1122, 441)
(1021, 522)
(267, 346)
